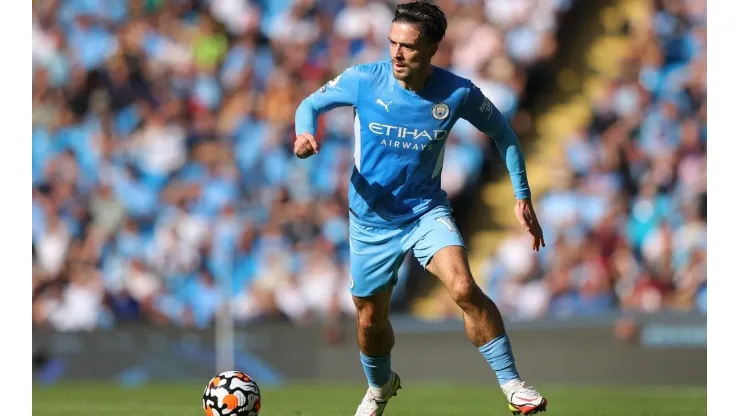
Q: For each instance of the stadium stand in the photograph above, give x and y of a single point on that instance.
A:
(162, 158)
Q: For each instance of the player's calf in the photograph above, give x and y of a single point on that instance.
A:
(376, 339)
(478, 309)
(482, 319)
(374, 332)
(485, 327)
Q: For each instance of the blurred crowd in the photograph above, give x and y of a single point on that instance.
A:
(163, 175)
(626, 218)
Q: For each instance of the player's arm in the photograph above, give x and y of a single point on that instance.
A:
(342, 91)
(482, 114)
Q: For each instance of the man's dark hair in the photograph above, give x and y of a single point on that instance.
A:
(430, 18)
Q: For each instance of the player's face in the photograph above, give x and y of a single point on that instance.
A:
(410, 53)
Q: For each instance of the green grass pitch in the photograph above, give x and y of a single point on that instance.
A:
(333, 400)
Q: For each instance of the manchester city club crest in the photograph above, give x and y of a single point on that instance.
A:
(440, 111)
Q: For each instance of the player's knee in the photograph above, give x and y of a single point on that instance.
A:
(370, 316)
(464, 290)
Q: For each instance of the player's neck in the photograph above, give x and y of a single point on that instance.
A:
(416, 84)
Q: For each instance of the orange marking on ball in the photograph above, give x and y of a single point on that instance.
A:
(231, 401)
(257, 404)
(209, 411)
(215, 381)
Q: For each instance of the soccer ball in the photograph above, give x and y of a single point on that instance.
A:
(232, 393)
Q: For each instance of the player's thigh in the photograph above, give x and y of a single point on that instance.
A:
(375, 257)
(450, 265)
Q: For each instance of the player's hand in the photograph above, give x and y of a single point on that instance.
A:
(305, 146)
(524, 212)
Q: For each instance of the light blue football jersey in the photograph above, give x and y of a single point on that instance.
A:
(400, 138)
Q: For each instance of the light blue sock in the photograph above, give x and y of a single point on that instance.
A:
(500, 358)
(377, 369)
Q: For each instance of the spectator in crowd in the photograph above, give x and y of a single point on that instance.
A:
(627, 214)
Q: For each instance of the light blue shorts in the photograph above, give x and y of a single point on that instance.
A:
(376, 254)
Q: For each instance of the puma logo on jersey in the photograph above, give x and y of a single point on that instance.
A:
(379, 101)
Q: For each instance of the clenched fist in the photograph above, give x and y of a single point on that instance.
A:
(305, 146)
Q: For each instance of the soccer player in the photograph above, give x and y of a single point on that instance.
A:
(404, 110)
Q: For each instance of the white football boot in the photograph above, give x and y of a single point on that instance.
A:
(372, 404)
(523, 399)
